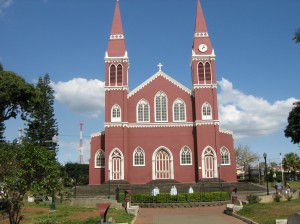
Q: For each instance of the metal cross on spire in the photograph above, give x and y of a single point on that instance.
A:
(159, 66)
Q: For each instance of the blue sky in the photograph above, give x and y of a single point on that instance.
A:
(257, 63)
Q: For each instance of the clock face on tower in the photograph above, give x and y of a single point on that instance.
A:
(202, 48)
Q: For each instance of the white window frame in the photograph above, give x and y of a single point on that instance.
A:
(205, 115)
(225, 152)
(141, 152)
(118, 118)
(182, 103)
(99, 154)
(183, 152)
(143, 103)
(161, 94)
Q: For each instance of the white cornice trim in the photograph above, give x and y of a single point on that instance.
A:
(205, 86)
(211, 56)
(115, 124)
(96, 134)
(155, 76)
(206, 122)
(122, 88)
(226, 131)
(160, 125)
(116, 59)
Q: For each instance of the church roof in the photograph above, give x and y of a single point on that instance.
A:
(155, 76)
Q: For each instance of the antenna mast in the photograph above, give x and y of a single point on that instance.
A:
(81, 145)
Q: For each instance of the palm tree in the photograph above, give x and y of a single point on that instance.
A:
(296, 37)
(291, 162)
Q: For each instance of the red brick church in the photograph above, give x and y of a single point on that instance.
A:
(161, 130)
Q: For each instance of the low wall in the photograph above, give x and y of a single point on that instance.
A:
(284, 197)
(91, 202)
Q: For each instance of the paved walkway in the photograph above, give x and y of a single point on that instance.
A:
(207, 215)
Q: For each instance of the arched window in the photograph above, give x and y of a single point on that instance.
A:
(179, 110)
(116, 113)
(206, 112)
(138, 157)
(185, 156)
(119, 75)
(143, 111)
(161, 107)
(100, 159)
(207, 73)
(112, 75)
(225, 156)
(200, 73)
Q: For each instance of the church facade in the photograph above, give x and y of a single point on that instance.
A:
(161, 130)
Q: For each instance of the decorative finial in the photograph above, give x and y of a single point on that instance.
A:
(159, 66)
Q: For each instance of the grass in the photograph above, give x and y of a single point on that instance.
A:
(40, 214)
(295, 184)
(269, 212)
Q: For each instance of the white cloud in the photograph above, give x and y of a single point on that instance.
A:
(248, 115)
(4, 4)
(81, 95)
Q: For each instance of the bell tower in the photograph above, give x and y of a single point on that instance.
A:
(205, 97)
(116, 91)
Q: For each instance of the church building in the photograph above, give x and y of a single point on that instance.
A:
(161, 130)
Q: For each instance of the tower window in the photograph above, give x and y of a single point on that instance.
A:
(112, 75)
(119, 75)
(116, 113)
(179, 110)
(143, 111)
(206, 112)
(161, 107)
(207, 73)
(200, 73)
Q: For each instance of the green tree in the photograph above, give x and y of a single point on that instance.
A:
(291, 162)
(296, 36)
(292, 130)
(41, 124)
(26, 167)
(15, 97)
(79, 173)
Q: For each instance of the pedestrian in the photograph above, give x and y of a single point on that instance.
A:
(279, 187)
(288, 188)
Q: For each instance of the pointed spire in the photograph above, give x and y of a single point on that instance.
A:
(116, 44)
(201, 44)
(117, 21)
(200, 26)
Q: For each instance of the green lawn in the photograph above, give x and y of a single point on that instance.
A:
(268, 213)
(66, 214)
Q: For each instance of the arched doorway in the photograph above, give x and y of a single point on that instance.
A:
(209, 163)
(116, 165)
(162, 164)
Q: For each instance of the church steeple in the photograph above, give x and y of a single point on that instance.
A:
(201, 44)
(116, 44)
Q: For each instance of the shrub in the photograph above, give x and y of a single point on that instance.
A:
(253, 199)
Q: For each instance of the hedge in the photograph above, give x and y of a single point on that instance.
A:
(179, 198)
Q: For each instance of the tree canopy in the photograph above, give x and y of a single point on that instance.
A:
(244, 155)
(41, 123)
(15, 97)
(292, 130)
(25, 167)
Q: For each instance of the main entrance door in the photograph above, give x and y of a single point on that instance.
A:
(209, 163)
(116, 165)
(162, 165)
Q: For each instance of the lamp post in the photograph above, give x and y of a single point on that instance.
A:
(108, 183)
(258, 172)
(266, 172)
(53, 205)
(281, 168)
(219, 174)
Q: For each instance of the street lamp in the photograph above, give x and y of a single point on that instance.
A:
(258, 173)
(281, 168)
(219, 173)
(266, 172)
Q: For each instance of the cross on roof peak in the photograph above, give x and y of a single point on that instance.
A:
(159, 66)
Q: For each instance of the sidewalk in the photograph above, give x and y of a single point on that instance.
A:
(207, 215)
